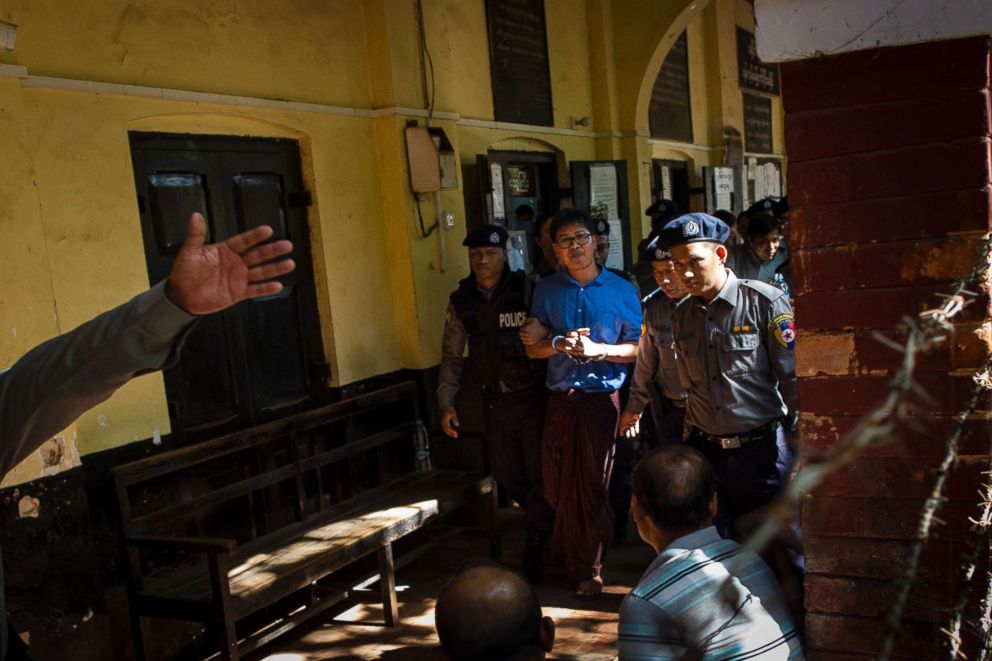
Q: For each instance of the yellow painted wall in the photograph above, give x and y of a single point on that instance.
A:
(715, 92)
(73, 245)
(290, 49)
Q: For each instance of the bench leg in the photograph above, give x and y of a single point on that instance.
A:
(387, 584)
(139, 643)
(492, 514)
(133, 561)
(227, 634)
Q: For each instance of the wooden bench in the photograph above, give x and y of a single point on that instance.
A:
(258, 517)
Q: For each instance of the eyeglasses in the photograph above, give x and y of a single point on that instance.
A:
(568, 241)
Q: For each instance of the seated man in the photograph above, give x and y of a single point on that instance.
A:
(703, 597)
(489, 613)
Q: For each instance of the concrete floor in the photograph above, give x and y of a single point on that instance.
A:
(586, 630)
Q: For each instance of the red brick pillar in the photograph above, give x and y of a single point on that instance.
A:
(889, 184)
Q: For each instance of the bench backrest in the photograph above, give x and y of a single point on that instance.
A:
(251, 483)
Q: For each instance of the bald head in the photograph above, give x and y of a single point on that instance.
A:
(489, 612)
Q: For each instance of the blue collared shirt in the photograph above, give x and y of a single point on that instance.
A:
(608, 306)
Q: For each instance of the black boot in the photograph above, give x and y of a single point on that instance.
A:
(533, 564)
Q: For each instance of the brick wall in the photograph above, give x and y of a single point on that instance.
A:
(889, 184)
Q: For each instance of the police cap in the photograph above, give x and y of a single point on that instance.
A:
(654, 252)
(487, 236)
(691, 228)
(602, 228)
(773, 205)
(663, 208)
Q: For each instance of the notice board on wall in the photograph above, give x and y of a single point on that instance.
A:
(518, 60)
(752, 73)
(670, 110)
(757, 124)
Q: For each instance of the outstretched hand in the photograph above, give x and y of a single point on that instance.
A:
(210, 278)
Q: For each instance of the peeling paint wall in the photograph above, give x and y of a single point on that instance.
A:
(889, 185)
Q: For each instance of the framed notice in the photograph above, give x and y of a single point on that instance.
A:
(518, 61)
(757, 124)
(752, 73)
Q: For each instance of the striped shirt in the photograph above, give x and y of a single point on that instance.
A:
(684, 604)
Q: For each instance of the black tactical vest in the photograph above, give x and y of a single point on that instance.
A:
(496, 359)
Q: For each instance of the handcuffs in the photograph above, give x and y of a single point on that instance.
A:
(578, 360)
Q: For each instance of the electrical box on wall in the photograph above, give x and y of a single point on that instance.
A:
(8, 36)
(446, 159)
(431, 159)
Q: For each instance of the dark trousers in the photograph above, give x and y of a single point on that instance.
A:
(514, 423)
(577, 458)
(747, 477)
(667, 422)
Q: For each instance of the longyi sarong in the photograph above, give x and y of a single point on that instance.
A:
(576, 460)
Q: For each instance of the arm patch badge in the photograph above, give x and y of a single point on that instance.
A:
(784, 328)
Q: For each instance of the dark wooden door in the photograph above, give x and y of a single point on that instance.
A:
(263, 358)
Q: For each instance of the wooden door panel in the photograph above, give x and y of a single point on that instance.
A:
(278, 371)
(257, 360)
(259, 200)
(172, 196)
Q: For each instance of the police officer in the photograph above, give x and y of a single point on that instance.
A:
(660, 213)
(656, 377)
(602, 239)
(485, 314)
(735, 339)
(763, 256)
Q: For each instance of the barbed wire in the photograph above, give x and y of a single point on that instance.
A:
(978, 540)
(985, 619)
(938, 323)
(879, 427)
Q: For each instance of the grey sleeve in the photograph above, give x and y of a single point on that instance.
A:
(645, 370)
(782, 356)
(452, 357)
(51, 385)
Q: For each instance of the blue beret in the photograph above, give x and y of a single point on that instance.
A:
(775, 206)
(693, 227)
(487, 236)
(654, 252)
(665, 208)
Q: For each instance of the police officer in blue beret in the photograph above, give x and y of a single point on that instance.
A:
(486, 314)
(660, 213)
(735, 341)
(602, 238)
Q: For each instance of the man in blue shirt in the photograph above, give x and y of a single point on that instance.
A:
(594, 319)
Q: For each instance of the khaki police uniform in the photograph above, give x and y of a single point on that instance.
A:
(656, 379)
(738, 368)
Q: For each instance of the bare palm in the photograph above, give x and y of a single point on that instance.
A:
(208, 278)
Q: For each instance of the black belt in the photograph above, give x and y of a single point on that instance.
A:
(736, 440)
